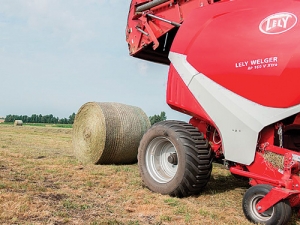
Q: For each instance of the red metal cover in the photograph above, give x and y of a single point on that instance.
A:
(249, 47)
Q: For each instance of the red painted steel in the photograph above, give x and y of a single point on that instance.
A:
(181, 99)
(144, 45)
(274, 196)
(228, 43)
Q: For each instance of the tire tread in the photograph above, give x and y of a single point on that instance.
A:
(199, 159)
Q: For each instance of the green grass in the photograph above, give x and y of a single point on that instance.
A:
(63, 125)
(6, 123)
(172, 201)
(40, 125)
(35, 124)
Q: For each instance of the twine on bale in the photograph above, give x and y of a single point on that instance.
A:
(108, 133)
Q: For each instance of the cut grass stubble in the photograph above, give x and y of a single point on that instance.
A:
(41, 182)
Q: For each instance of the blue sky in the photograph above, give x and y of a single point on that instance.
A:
(56, 55)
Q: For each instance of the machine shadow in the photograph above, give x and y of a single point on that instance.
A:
(220, 183)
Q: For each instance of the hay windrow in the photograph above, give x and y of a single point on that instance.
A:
(108, 133)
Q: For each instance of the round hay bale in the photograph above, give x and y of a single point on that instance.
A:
(18, 123)
(108, 133)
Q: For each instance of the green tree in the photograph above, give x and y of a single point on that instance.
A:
(25, 119)
(72, 118)
(39, 119)
(157, 118)
(9, 118)
(63, 121)
(34, 118)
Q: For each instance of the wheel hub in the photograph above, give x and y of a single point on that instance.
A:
(173, 159)
(161, 159)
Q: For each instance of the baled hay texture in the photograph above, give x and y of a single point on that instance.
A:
(275, 159)
(108, 133)
(18, 123)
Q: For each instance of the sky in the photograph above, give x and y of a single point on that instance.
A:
(56, 55)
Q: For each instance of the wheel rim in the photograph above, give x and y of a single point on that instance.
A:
(157, 163)
(266, 215)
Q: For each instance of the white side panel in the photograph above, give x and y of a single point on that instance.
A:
(238, 119)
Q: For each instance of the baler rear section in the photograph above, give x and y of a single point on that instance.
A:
(234, 66)
(152, 26)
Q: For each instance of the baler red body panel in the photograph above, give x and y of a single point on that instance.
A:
(181, 99)
(249, 47)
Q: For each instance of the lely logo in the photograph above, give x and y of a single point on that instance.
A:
(278, 23)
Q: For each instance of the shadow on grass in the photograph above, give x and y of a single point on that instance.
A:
(221, 182)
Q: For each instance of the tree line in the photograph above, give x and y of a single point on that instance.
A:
(34, 118)
(157, 118)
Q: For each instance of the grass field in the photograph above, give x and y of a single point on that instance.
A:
(41, 182)
(40, 125)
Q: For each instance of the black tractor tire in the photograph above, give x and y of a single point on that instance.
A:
(279, 214)
(175, 159)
